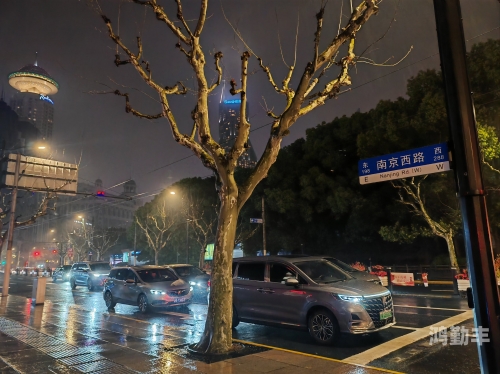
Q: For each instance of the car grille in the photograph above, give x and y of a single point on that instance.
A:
(375, 306)
(178, 293)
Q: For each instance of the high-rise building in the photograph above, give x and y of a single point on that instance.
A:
(229, 121)
(32, 102)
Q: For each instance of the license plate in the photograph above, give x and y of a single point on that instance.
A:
(179, 300)
(385, 314)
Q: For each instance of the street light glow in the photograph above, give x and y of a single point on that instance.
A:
(172, 192)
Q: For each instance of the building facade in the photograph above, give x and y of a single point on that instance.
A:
(229, 121)
(36, 109)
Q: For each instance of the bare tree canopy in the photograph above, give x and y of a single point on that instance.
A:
(299, 100)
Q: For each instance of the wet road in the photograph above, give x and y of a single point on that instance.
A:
(143, 332)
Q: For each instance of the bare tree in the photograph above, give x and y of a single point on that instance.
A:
(217, 337)
(411, 195)
(157, 226)
(101, 240)
(203, 223)
(79, 243)
(41, 211)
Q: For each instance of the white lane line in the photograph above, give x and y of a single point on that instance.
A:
(429, 307)
(405, 327)
(182, 315)
(397, 343)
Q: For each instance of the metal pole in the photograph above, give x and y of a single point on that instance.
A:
(135, 241)
(467, 169)
(187, 241)
(12, 221)
(263, 228)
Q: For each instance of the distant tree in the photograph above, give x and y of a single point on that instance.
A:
(156, 222)
(101, 240)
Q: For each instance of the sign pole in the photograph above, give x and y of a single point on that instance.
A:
(468, 177)
(12, 221)
(263, 228)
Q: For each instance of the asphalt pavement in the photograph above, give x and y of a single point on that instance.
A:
(127, 341)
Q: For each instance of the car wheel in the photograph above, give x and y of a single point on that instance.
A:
(72, 283)
(323, 326)
(236, 319)
(90, 285)
(142, 303)
(108, 299)
(54, 279)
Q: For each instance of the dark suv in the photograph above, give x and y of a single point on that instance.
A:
(90, 274)
(308, 293)
(197, 278)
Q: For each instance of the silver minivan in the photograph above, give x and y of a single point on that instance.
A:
(308, 293)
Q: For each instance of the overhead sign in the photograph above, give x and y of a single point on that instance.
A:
(255, 220)
(235, 101)
(40, 174)
(405, 164)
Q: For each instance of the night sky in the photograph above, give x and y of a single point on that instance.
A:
(74, 48)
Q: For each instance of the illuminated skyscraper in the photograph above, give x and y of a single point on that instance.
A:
(229, 120)
(32, 102)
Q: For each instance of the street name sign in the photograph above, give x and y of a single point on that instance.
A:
(255, 220)
(405, 164)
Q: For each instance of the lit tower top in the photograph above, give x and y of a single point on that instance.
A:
(32, 78)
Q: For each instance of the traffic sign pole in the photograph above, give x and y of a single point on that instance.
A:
(12, 222)
(468, 176)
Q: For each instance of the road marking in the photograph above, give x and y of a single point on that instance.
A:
(402, 341)
(430, 307)
(405, 327)
(182, 315)
(315, 356)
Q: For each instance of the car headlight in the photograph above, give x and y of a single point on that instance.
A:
(157, 292)
(190, 288)
(96, 275)
(352, 299)
(192, 283)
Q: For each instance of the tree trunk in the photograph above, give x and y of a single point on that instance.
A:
(451, 251)
(156, 257)
(202, 258)
(217, 337)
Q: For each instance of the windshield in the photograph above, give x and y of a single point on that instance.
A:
(321, 271)
(341, 265)
(188, 271)
(100, 267)
(156, 275)
(66, 267)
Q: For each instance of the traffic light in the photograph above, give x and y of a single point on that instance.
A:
(36, 253)
(3, 262)
(54, 251)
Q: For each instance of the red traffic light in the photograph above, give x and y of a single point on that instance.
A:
(54, 251)
(36, 253)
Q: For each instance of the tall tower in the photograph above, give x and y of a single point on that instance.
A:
(32, 102)
(229, 121)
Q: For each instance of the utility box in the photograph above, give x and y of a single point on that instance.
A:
(38, 296)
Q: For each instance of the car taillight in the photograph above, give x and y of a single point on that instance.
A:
(208, 283)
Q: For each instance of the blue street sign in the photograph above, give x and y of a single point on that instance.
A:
(255, 220)
(405, 164)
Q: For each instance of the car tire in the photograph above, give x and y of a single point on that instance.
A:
(323, 326)
(142, 303)
(72, 283)
(236, 319)
(90, 285)
(108, 299)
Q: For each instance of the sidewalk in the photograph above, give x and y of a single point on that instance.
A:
(62, 338)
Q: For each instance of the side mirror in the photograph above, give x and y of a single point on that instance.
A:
(130, 281)
(292, 282)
